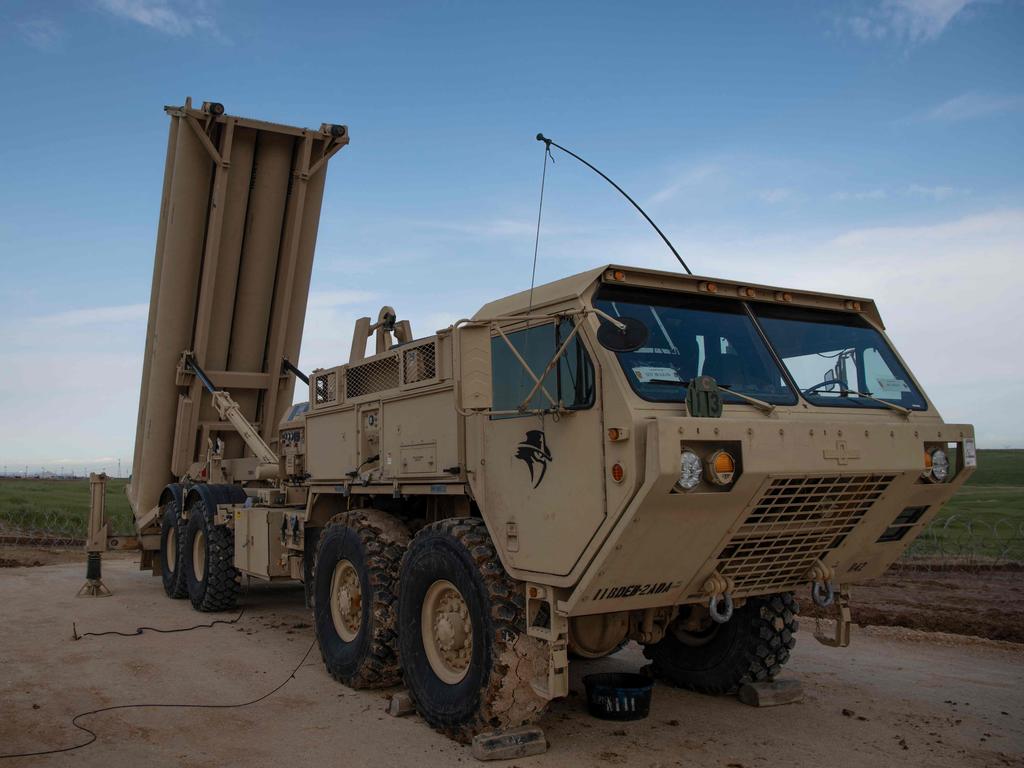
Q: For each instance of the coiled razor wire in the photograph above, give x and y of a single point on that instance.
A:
(951, 541)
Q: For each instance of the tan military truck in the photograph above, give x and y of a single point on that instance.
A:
(624, 454)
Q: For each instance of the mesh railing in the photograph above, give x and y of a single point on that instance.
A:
(420, 363)
(371, 377)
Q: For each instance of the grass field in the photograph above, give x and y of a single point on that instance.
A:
(985, 519)
(59, 506)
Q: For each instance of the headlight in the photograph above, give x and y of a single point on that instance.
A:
(691, 469)
(721, 468)
(936, 464)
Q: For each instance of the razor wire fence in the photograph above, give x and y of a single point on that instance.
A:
(57, 528)
(951, 541)
(968, 542)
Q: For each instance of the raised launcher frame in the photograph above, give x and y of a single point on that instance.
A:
(238, 222)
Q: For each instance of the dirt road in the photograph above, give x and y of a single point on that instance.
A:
(896, 697)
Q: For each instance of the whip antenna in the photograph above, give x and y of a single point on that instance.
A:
(549, 144)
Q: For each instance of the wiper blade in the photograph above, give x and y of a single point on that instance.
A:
(867, 396)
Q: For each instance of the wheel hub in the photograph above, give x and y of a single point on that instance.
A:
(171, 547)
(447, 631)
(199, 555)
(346, 600)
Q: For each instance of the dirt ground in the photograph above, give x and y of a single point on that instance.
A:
(985, 604)
(897, 696)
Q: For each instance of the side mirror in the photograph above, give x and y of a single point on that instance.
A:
(633, 336)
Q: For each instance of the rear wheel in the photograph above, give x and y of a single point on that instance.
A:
(209, 562)
(465, 654)
(354, 588)
(718, 658)
(172, 536)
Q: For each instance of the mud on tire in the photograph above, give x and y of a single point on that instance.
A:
(172, 545)
(750, 647)
(208, 561)
(371, 543)
(495, 692)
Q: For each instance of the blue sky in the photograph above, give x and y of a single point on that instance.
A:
(873, 148)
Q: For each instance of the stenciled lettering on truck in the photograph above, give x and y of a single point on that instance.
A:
(635, 590)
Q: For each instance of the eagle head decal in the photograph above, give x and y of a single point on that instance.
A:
(535, 453)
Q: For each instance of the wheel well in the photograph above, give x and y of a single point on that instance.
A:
(413, 510)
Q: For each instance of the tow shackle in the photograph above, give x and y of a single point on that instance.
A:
(722, 614)
(823, 593)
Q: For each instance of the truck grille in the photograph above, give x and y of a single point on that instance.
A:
(794, 522)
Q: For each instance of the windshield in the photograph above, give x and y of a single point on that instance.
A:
(833, 356)
(692, 336)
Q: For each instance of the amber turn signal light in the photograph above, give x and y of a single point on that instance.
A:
(721, 468)
(618, 473)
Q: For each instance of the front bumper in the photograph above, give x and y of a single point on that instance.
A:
(806, 493)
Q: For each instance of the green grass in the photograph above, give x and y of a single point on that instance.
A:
(59, 506)
(985, 519)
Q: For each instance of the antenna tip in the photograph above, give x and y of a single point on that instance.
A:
(540, 137)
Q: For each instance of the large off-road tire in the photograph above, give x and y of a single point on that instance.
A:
(355, 591)
(209, 561)
(172, 545)
(751, 647)
(466, 658)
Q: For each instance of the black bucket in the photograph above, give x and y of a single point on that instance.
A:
(618, 695)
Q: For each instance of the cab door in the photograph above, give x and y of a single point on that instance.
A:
(544, 494)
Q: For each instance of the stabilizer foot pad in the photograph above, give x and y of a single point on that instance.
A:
(771, 694)
(94, 588)
(506, 745)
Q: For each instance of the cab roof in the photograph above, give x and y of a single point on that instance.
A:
(577, 286)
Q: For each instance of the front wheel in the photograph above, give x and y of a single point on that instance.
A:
(465, 654)
(354, 593)
(718, 658)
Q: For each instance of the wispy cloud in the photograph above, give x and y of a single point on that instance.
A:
(911, 21)
(42, 34)
(933, 192)
(491, 228)
(775, 195)
(339, 298)
(77, 318)
(690, 178)
(178, 18)
(867, 194)
(941, 192)
(972, 105)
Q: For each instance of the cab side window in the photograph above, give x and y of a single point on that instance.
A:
(571, 382)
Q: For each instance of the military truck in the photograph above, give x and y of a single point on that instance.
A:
(625, 454)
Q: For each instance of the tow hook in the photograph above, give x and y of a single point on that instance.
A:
(822, 590)
(723, 615)
(823, 593)
(719, 588)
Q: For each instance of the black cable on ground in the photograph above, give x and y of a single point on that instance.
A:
(140, 630)
(93, 736)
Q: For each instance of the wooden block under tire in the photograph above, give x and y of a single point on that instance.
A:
(771, 694)
(400, 705)
(505, 745)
